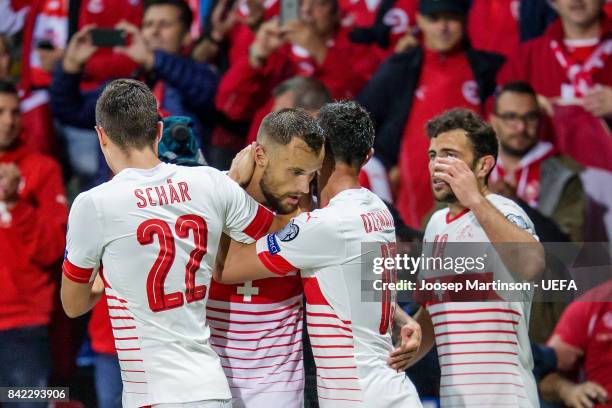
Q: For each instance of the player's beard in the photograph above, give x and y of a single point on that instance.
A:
(274, 201)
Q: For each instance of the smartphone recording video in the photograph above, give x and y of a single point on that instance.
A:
(108, 37)
(289, 11)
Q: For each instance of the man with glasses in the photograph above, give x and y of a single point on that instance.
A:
(531, 169)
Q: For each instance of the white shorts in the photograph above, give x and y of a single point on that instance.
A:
(198, 404)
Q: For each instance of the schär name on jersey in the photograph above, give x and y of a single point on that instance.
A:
(169, 193)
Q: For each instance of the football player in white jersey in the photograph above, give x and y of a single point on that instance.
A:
(149, 238)
(256, 327)
(350, 339)
(483, 346)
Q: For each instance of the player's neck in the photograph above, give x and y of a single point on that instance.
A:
(582, 32)
(342, 178)
(135, 159)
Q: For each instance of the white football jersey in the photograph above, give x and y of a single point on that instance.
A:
(483, 347)
(153, 236)
(256, 329)
(350, 339)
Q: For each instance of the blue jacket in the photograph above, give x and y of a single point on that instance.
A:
(189, 91)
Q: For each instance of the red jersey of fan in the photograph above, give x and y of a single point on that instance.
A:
(31, 240)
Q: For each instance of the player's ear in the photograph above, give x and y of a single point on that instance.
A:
(261, 158)
(485, 165)
(368, 156)
(102, 137)
(160, 132)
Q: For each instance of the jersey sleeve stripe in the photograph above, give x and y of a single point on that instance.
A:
(276, 263)
(260, 224)
(75, 273)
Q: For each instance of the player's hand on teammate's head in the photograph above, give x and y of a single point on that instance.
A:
(243, 165)
(409, 344)
(461, 178)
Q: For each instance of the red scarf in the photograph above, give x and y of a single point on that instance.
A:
(580, 74)
(526, 177)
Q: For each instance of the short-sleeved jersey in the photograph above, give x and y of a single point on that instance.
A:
(153, 236)
(483, 347)
(350, 339)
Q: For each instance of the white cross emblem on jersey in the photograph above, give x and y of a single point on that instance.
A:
(247, 290)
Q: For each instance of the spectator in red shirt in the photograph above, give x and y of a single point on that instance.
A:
(583, 342)
(33, 218)
(412, 87)
(570, 66)
(315, 45)
(493, 25)
(182, 86)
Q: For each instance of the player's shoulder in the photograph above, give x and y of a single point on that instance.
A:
(207, 173)
(85, 203)
(513, 212)
(198, 172)
(508, 207)
(501, 201)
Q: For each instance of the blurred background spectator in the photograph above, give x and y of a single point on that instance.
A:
(531, 170)
(5, 57)
(181, 85)
(570, 67)
(582, 341)
(33, 215)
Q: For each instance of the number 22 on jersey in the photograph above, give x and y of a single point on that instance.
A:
(185, 224)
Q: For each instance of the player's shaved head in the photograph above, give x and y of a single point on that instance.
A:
(280, 128)
(127, 111)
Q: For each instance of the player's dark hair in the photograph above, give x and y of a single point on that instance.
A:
(7, 87)
(309, 93)
(186, 16)
(349, 131)
(282, 126)
(127, 110)
(519, 87)
(481, 135)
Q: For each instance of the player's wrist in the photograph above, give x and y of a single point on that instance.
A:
(476, 202)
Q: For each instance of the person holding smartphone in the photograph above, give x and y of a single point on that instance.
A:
(181, 85)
